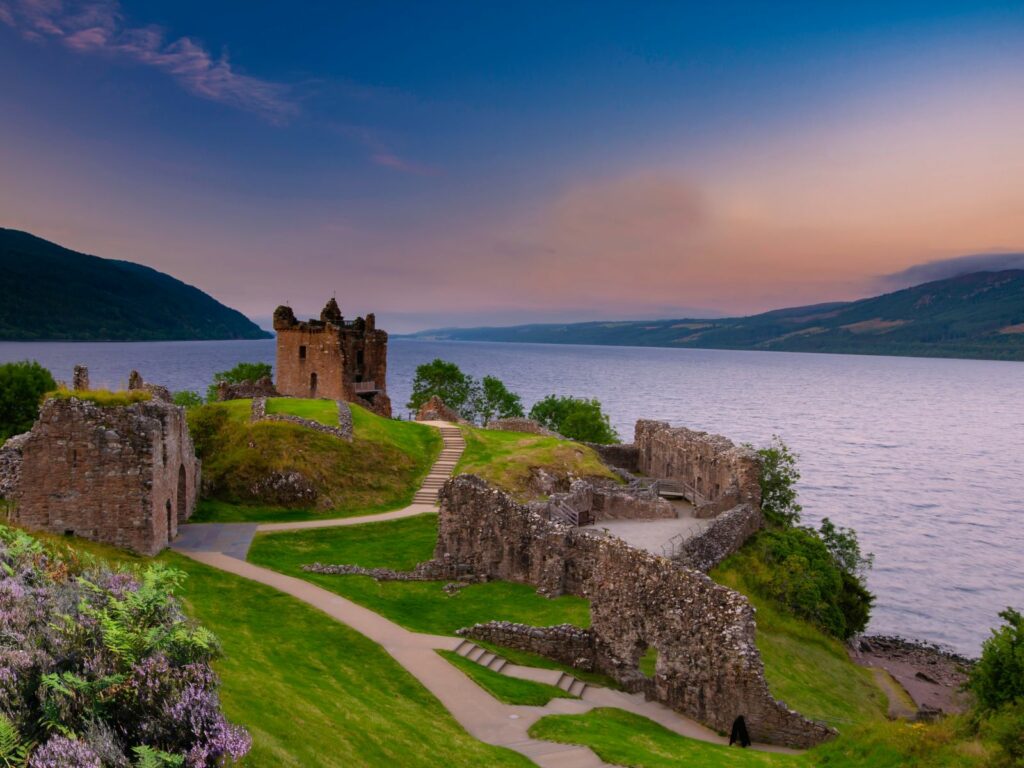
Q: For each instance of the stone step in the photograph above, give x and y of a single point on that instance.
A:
(465, 647)
(565, 682)
(498, 663)
(578, 687)
(476, 654)
(486, 659)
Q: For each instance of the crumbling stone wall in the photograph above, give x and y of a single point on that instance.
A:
(517, 424)
(606, 500)
(620, 455)
(243, 390)
(332, 358)
(562, 642)
(435, 409)
(124, 475)
(721, 475)
(156, 390)
(344, 430)
(729, 531)
(10, 464)
(708, 664)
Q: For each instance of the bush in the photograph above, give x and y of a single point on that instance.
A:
(238, 374)
(22, 386)
(187, 399)
(1005, 726)
(998, 677)
(779, 476)
(575, 418)
(104, 665)
(494, 401)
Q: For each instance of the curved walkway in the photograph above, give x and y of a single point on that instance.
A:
(224, 546)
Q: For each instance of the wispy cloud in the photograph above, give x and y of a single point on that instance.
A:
(98, 27)
(381, 153)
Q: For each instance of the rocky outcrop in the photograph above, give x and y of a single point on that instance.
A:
(708, 665)
(435, 410)
(516, 424)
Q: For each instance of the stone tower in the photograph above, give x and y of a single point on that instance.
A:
(332, 358)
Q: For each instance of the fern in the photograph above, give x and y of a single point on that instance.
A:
(13, 751)
(147, 757)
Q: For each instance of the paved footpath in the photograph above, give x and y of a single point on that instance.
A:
(224, 546)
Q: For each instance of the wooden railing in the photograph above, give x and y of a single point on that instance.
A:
(563, 513)
(364, 386)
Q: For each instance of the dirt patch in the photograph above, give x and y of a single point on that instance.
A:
(1018, 328)
(875, 325)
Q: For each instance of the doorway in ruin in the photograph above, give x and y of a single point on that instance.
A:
(182, 495)
(170, 530)
(312, 385)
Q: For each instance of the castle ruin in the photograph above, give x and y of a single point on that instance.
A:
(332, 358)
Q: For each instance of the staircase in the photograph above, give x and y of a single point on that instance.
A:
(454, 445)
(467, 649)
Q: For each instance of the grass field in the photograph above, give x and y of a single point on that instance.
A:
(510, 690)
(379, 470)
(507, 458)
(421, 606)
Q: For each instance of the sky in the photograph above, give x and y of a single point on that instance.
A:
(481, 163)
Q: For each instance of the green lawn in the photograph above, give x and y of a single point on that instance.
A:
(807, 669)
(506, 459)
(379, 470)
(421, 606)
(510, 690)
(315, 693)
(622, 738)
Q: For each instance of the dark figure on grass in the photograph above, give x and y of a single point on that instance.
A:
(739, 733)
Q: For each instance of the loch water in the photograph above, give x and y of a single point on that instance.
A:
(922, 456)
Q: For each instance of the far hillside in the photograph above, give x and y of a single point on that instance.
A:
(49, 292)
(979, 315)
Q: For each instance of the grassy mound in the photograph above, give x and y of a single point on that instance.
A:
(507, 459)
(509, 690)
(421, 606)
(807, 669)
(380, 469)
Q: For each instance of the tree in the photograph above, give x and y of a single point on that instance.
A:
(187, 398)
(446, 381)
(998, 677)
(575, 418)
(22, 386)
(238, 374)
(779, 475)
(496, 401)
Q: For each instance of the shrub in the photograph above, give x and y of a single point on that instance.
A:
(187, 399)
(1005, 726)
(575, 418)
(998, 677)
(22, 386)
(103, 662)
(241, 372)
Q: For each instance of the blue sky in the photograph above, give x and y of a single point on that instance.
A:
(472, 163)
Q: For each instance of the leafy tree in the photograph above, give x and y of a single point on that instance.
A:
(997, 679)
(238, 374)
(844, 547)
(22, 386)
(495, 401)
(187, 398)
(779, 475)
(447, 381)
(575, 418)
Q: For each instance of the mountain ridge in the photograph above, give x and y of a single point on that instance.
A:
(52, 293)
(979, 315)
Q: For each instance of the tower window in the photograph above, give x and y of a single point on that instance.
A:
(302, 352)
(359, 357)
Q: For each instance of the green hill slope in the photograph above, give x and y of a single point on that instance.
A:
(50, 292)
(980, 315)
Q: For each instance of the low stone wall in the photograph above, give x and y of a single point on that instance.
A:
(708, 664)
(428, 571)
(243, 390)
(562, 642)
(620, 455)
(729, 531)
(521, 425)
(723, 475)
(344, 430)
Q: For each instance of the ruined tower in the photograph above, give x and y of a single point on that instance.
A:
(332, 358)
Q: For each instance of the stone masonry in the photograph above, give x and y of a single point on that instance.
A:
(121, 475)
(332, 358)
(708, 666)
(716, 473)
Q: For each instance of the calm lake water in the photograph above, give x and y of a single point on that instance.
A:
(923, 457)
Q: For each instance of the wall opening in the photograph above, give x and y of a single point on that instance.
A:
(302, 352)
(182, 496)
(169, 529)
(649, 662)
(312, 385)
(359, 358)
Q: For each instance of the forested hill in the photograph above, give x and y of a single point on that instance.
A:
(979, 315)
(50, 292)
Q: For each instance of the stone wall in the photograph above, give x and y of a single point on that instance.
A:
(620, 455)
(708, 665)
(124, 475)
(10, 464)
(517, 424)
(435, 409)
(597, 501)
(716, 473)
(332, 358)
(344, 430)
(244, 390)
(729, 531)
(562, 642)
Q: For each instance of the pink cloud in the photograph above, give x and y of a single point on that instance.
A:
(97, 26)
